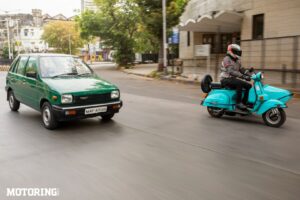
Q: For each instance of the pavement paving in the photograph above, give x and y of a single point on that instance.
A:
(162, 145)
(194, 75)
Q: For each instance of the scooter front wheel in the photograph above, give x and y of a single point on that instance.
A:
(215, 112)
(274, 117)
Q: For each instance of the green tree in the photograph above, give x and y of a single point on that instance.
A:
(61, 34)
(151, 15)
(5, 53)
(116, 24)
(145, 42)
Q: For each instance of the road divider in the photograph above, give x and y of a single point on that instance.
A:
(4, 68)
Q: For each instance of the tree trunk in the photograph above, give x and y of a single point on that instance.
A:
(161, 58)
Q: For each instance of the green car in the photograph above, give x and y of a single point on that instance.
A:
(61, 87)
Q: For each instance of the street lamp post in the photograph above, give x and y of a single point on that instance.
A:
(70, 44)
(18, 36)
(8, 37)
(165, 45)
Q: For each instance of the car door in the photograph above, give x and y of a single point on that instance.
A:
(31, 87)
(17, 78)
(11, 76)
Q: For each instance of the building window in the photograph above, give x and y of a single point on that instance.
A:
(210, 39)
(258, 27)
(188, 38)
(226, 39)
(25, 32)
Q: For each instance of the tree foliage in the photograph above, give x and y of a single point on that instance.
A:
(129, 26)
(5, 52)
(151, 15)
(116, 24)
(58, 34)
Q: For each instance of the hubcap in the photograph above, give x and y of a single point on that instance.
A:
(11, 100)
(46, 116)
(273, 116)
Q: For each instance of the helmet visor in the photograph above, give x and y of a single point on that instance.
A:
(237, 52)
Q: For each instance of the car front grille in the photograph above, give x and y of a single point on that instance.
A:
(92, 99)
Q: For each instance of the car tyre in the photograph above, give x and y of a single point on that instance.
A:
(14, 104)
(215, 112)
(107, 117)
(48, 117)
(274, 117)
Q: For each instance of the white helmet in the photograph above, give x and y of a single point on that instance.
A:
(234, 51)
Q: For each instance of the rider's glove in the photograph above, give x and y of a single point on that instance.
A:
(247, 78)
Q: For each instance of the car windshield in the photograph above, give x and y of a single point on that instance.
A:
(56, 66)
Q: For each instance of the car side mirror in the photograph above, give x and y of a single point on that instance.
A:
(31, 74)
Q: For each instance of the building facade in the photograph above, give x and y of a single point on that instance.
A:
(267, 30)
(31, 41)
(26, 30)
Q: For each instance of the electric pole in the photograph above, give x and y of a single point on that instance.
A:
(8, 38)
(70, 44)
(165, 45)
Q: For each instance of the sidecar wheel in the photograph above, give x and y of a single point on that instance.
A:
(215, 112)
(274, 117)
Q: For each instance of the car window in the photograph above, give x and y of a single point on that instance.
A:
(21, 65)
(31, 65)
(14, 64)
(62, 65)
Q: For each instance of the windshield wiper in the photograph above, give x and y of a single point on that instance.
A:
(66, 74)
(84, 74)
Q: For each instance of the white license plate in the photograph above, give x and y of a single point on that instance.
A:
(96, 110)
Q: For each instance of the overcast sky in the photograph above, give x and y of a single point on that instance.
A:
(52, 7)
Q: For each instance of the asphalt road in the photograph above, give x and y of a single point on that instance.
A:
(162, 145)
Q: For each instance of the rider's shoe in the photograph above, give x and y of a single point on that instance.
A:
(241, 106)
(249, 105)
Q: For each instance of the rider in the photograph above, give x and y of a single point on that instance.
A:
(233, 73)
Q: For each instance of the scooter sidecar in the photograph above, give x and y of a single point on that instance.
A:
(218, 96)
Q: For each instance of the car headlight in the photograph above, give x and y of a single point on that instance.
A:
(115, 94)
(66, 98)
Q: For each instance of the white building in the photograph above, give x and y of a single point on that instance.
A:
(267, 30)
(30, 38)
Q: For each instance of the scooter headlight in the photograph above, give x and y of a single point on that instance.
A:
(262, 76)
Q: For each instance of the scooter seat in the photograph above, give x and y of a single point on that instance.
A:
(216, 85)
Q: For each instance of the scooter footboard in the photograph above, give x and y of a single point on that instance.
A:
(269, 105)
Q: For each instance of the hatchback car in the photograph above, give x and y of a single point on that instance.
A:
(61, 87)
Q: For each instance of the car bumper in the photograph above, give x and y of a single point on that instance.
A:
(78, 112)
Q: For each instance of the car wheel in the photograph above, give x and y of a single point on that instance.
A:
(107, 117)
(48, 118)
(274, 117)
(14, 104)
(215, 112)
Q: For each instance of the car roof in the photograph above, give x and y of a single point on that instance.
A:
(47, 55)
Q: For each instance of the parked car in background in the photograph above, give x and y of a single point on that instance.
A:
(61, 87)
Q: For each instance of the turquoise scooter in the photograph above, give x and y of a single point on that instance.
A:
(263, 100)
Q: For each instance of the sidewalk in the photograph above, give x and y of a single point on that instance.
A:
(194, 75)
